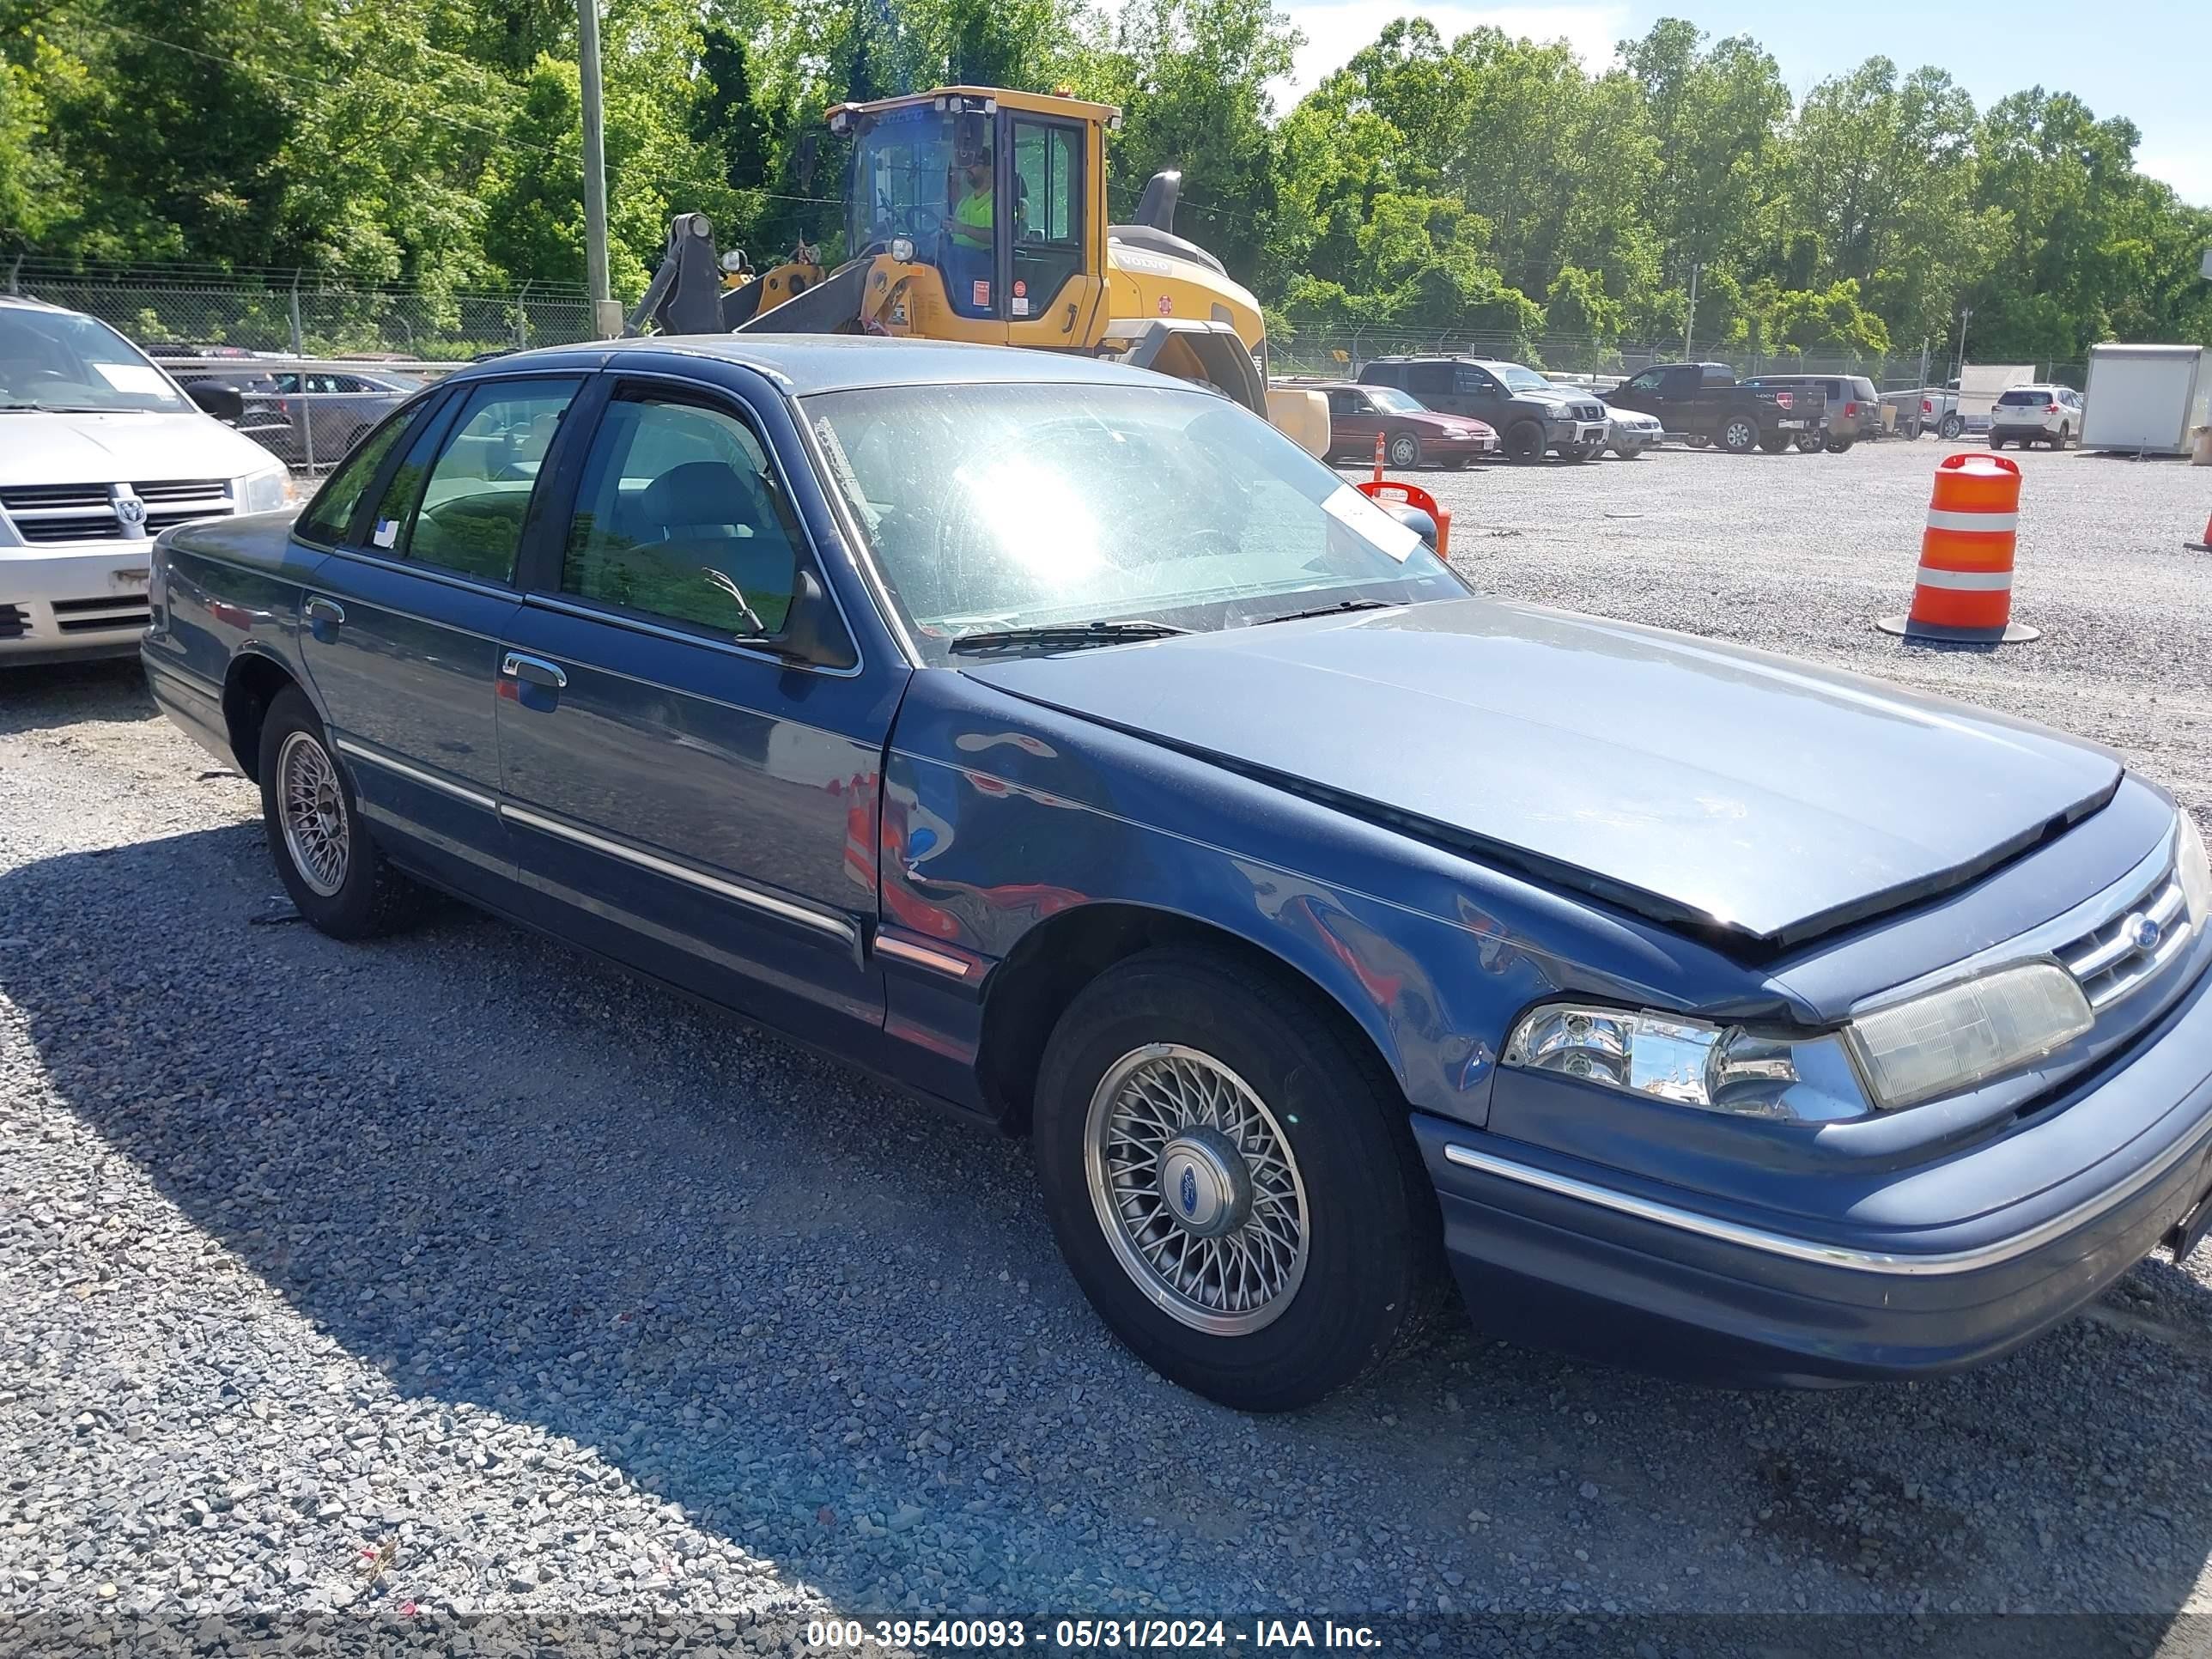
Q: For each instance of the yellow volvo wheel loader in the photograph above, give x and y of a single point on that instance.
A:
(979, 215)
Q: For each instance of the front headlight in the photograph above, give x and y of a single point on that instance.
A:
(1938, 1043)
(265, 491)
(2196, 874)
(1716, 1069)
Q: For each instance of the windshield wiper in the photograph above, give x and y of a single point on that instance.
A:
(1326, 611)
(1070, 635)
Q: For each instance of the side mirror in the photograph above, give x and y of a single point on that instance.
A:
(225, 403)
(813, 632)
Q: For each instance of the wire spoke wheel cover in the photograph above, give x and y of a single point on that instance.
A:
(1196, 1188)
(313, 813)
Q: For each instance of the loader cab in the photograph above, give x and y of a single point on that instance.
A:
(989, 208)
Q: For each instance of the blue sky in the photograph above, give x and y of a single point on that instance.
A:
(2149, 60)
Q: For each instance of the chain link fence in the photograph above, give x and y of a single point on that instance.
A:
(305, 314)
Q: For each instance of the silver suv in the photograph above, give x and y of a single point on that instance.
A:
(2029, 415)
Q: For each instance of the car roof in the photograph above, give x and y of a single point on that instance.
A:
(803, 364)
(25, 302)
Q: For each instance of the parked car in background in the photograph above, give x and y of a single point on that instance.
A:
(99, 451)
(1940, 412)
(1630, 432)
(1069, 745)
(1854, 408)
(1707, 404)
(1411, 435)
(1531, 416)
(2032, 415)
(321, 414)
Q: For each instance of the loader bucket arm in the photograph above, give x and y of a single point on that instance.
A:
(832, 306)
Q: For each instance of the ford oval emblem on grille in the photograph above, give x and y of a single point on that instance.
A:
(2144, 933)
(1188, 1192)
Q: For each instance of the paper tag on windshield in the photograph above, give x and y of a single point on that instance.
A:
(385, 533)
(1357, 512)
(982, 293)
(141, 379)
(1021, 307)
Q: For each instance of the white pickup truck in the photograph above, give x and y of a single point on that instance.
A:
(100, 452)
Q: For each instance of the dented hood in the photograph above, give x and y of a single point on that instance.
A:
(1696, 783)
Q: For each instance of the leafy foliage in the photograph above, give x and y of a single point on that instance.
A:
(1484, 184)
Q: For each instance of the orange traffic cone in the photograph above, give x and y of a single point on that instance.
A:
(2204, 546)
(1963, 591)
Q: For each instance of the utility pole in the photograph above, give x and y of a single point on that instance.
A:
(1690, 322)
(606, 315)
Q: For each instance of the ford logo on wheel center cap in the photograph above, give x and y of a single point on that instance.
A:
(1188, 1191)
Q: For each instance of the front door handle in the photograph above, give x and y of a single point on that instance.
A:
(534, 671)
(324, 615)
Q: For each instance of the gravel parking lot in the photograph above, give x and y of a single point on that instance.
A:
(455, 1275)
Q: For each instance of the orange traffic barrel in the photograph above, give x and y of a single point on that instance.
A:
(2204, 546)
(1964, 588)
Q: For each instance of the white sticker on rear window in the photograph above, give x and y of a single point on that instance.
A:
(141, 378)
(385, 533)
(1359, 513)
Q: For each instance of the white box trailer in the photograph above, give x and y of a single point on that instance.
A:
(2147, 398)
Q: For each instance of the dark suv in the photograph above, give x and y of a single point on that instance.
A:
(1530, 415)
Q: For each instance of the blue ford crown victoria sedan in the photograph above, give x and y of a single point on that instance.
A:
(1067, 746)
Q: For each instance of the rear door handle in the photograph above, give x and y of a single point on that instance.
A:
(534, 671)
(324, 615)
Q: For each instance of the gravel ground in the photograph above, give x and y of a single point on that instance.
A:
(453, 1276)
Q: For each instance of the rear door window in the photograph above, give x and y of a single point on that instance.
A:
(1429, 378)
(462, 509)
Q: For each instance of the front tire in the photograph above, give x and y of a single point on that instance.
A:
(336, 876)
(1809, 443)
(1628, 451)
(1404, 450)
(1524, 443)
(1231, 1179)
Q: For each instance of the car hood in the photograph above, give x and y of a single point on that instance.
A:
(1444, 422)
(124, 448)
(1741, 794)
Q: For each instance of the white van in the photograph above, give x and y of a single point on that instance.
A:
(100, 452)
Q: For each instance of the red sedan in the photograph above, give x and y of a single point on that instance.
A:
(1413, 434)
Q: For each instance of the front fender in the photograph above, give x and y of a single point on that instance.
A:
(1000, 816)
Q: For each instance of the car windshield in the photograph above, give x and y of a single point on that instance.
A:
(1518, 379)
(1398, 402)
(1001, 506)
(909, 173)
(60, 360)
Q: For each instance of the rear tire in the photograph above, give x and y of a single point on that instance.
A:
(1628, 451)
(1809, 443)
(1404, 450)
(1189, 1058)
(1840, 446)
(336, 875)
(1996, 442)
(1524, 443)
(1952, 426)
(1455, 463)
(1741, 436)
(2065, 435)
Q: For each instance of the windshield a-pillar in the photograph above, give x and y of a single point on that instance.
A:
(928, 175)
